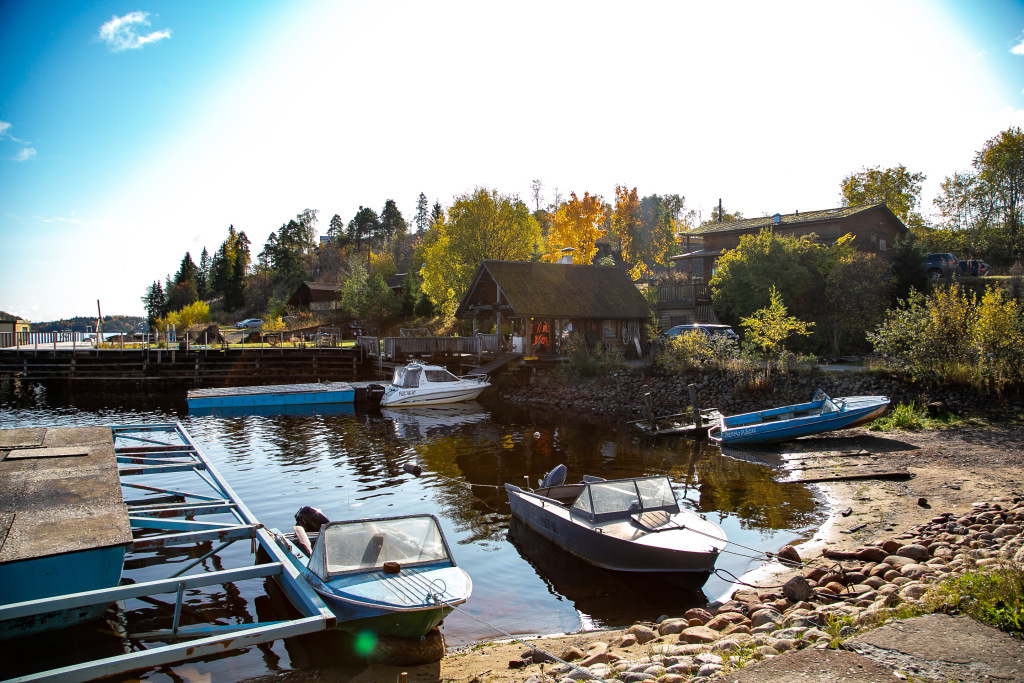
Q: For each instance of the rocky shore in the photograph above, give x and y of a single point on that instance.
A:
(828, 599)
(622, 395)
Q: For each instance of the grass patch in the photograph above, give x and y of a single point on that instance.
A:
(913, 417)
(994, 597)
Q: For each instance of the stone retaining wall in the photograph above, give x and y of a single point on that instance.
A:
(621, 394)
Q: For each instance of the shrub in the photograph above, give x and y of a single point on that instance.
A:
(994, 596)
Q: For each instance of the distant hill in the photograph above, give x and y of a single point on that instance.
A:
(111, 323)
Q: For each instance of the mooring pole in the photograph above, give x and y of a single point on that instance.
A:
(693, 402)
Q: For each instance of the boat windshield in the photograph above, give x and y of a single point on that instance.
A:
(367, 545)
(406, 378)
(440, 375)
(621, 498)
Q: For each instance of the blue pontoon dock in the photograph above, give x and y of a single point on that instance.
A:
(120, 493)
(271, 395)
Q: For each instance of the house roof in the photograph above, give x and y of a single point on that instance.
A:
(557, 290)
(792, 219)
(322, 286)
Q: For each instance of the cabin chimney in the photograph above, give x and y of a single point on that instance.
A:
(566, 256)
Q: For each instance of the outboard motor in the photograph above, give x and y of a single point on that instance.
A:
(310, 518)
(555, 477)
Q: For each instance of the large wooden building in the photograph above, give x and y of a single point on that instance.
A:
(543, 303)
(875, 228)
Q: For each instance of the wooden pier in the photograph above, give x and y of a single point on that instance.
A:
(193, 368)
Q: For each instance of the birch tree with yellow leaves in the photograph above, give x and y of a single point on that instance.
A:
(577, 224)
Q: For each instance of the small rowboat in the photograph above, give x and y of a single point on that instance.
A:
(822, 414)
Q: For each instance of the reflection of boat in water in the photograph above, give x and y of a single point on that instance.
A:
(422, 421)
(607, 597)
(393, 576)
(631, 525)
(821, 414)
(273, 410)
(417, 384)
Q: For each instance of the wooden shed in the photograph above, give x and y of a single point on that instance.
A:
(316, 297)
(546, 302)
(874, 227)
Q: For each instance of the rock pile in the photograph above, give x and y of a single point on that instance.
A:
(622, 394)
(830, 599)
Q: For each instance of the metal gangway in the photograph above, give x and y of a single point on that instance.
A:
(165, 516)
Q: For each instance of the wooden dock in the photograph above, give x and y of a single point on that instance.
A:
(190, 369)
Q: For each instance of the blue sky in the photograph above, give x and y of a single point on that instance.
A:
(123, 147)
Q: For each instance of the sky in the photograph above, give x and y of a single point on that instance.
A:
(134, 132)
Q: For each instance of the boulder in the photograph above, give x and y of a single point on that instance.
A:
(643, 634)
(698, 635)
(797, 589)
(671, 626)
(871, 554)
(914, 551)
(789, 555)
(697, 613)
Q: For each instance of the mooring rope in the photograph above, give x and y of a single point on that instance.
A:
(437, 599)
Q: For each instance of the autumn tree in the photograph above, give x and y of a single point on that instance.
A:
(768, 328)
(856, 298)
(577, 224)
(481, 225)
(896, 187)
(988, 201)
(626, 222)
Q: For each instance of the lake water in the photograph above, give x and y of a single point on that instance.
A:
(349, 463)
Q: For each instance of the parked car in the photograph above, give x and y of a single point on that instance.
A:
(973, 268)
(939, 265)
(712, 330)
(249, 323)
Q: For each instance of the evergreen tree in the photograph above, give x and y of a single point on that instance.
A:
(392, 224)
(154, 302)
(422, 213)
(363, 226)
(203, 275)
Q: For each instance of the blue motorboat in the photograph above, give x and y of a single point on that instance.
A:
(392, 576)
(821, 414)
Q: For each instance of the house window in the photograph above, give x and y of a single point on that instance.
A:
(609, 329)
(881, 245)
(874, 238)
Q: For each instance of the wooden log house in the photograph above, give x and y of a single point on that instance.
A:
(543, 303)
(875, 229)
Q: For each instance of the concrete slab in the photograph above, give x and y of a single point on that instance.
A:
(63, 502)
(944, 648)
(20, 438)
(813, 665)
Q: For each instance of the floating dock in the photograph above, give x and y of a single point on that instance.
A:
(62, 489)
(317, 393)
(63, 524)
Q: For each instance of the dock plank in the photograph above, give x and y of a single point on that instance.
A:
(22, 438)
(270, 389)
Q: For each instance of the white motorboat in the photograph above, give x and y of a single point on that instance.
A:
(417, 384)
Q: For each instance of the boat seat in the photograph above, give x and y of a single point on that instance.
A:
(372, 552)
(655, 519)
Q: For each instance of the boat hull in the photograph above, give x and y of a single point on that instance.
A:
(399, 398)
(744, 429)
(356, 619)
(608, 552)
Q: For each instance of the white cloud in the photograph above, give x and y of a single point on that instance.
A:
(121, 33)
(4, 127)
(24, 154)
(1018, 49)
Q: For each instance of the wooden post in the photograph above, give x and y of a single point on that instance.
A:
(693, 402)
(649, 405)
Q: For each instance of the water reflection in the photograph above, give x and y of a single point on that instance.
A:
(350, 464)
